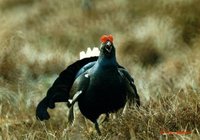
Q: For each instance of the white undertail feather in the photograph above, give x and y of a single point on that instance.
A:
(90, 52)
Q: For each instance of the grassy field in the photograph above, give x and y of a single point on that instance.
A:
(158, 41)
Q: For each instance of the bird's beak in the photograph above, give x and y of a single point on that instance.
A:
(108, 47)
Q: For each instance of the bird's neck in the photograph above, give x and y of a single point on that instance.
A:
(104, 61)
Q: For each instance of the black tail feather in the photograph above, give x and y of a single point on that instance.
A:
(41, 110)
(59, 92)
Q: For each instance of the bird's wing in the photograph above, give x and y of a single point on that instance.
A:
(78, 88)
(59, 91)
(85, 68)
(132, 96)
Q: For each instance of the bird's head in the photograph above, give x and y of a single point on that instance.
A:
(107, 48)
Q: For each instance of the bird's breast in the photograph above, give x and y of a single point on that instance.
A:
(107, 86)
(106, 93)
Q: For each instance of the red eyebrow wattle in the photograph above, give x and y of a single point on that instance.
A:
(105, 38)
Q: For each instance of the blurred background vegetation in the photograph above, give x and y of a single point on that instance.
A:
(158, 41)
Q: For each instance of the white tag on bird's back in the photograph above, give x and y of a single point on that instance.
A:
(86, 75)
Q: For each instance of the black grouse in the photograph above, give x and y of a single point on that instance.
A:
(99, 85)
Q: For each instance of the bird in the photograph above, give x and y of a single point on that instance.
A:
(98, 84)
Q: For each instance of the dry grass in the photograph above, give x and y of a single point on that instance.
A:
(157, 40)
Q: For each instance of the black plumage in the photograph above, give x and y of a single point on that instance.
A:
(59, 91)
(99, 85)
